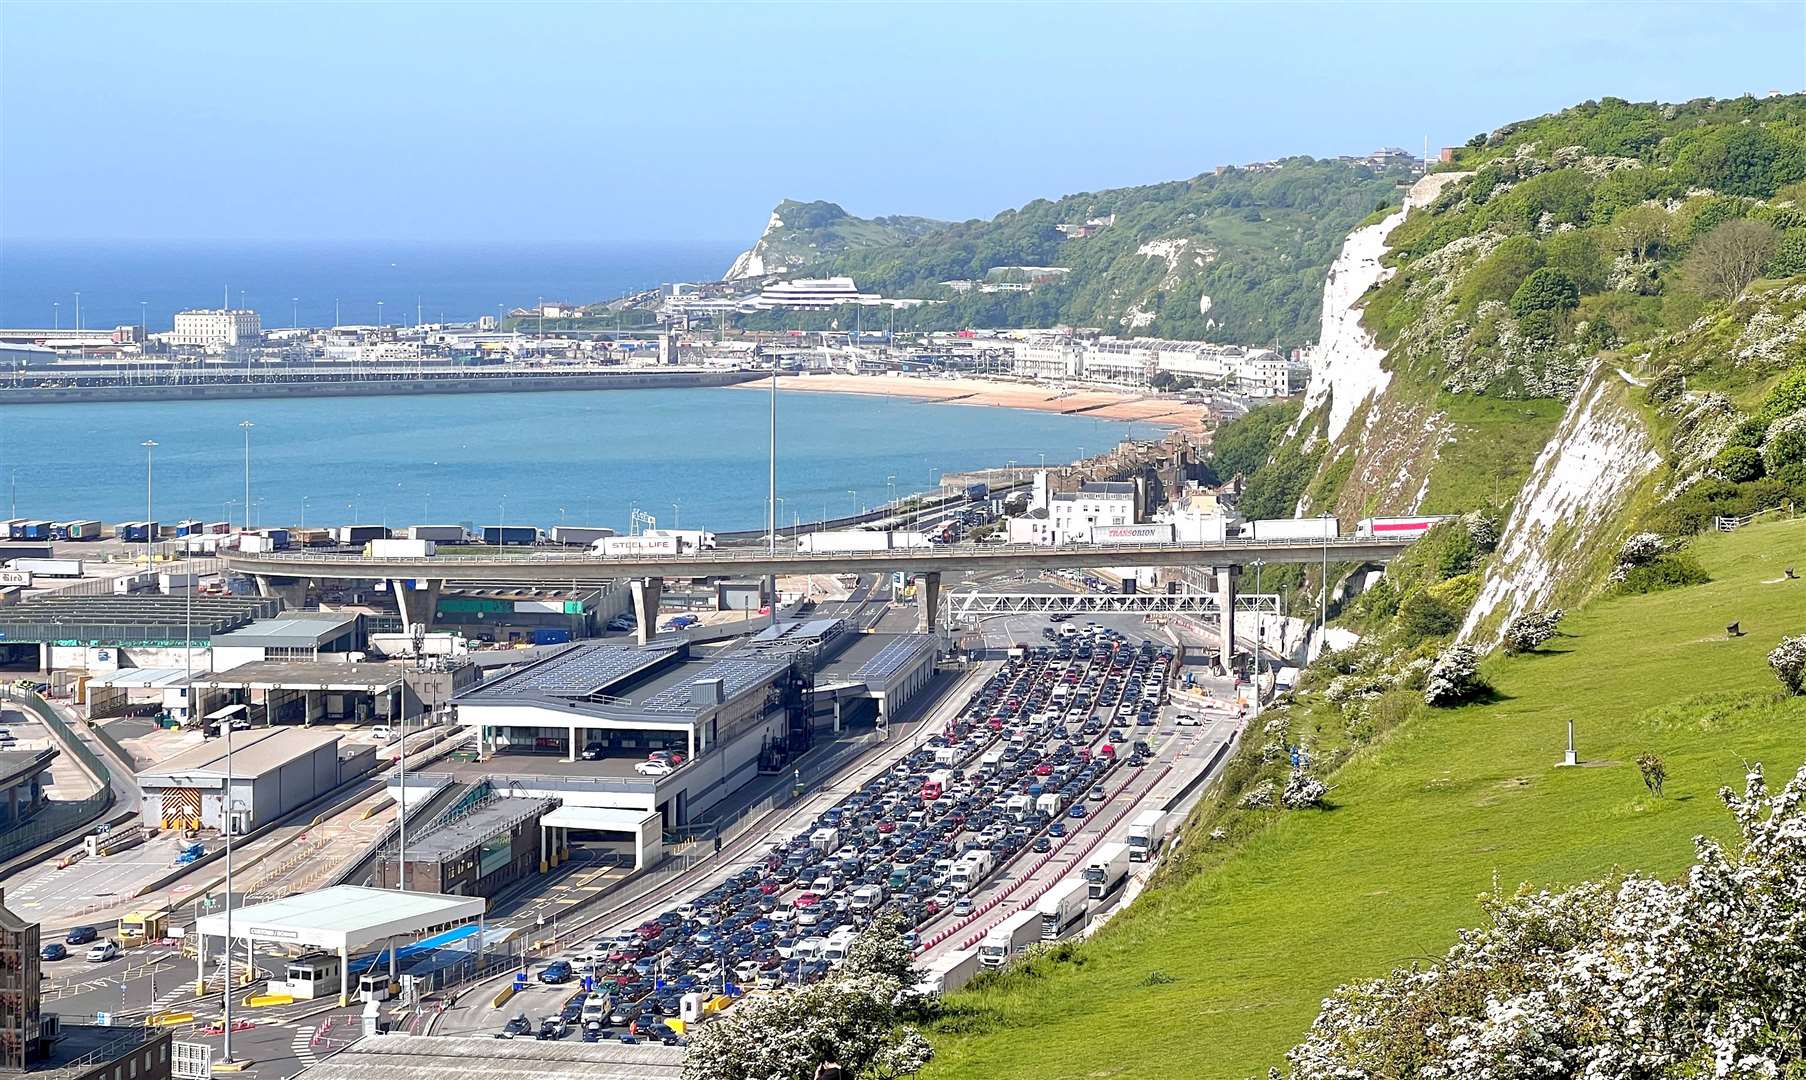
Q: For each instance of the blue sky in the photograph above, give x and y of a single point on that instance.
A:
(598, 124)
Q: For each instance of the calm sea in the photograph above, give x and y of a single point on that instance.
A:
(696, 457)
(38, 282)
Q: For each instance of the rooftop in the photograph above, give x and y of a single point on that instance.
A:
(312, 675)
(624, 682)
(254, 752)
(875, 657)
(469, 1057)
(487, 820)
(300, 630)
(347, 916)
(149, 678)
(138, 617)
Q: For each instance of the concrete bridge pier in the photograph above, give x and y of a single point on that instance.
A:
(645, 606)
(1226, 576)
(928, 601)
(417, 600)
(291, 591)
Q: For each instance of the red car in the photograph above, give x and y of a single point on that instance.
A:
(1043, 769)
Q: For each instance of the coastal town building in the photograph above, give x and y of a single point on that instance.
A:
(1140, 361)
(216, 328)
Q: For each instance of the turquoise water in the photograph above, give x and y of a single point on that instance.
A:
(595, 455)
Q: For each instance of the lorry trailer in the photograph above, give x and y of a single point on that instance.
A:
(1145, 833)
(1107, 869)
(839, 541)
(1061, 907)
(510, 535)
(1009, 937)
(1312, 528)
(438, 534)
(359, 535)
(1397, 528)
(579, 535)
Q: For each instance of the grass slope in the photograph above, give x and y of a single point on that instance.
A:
(1424, 822)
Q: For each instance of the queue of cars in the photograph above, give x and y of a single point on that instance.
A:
(1016, 766)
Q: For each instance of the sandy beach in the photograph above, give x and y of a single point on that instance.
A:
(1109, 404)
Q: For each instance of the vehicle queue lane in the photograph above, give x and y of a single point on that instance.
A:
(473, 1010)
(894, 830)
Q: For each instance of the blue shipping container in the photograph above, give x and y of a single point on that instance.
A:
(550, 635)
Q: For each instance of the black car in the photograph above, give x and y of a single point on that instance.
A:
(594, 751)
(81, 935)
(54, 951)
(572, 1013)
(552, 1029)
(519, 1025)
(558, 971)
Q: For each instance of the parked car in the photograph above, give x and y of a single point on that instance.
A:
(594, 751)
(56, 950)
(653, 768)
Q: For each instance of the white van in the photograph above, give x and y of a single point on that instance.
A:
(836, 949)
(596, 1007)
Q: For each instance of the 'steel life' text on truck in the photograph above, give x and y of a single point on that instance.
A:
(1009, 937)
(1145, 834)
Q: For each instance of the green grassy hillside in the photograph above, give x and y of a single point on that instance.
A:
(1236, 256)
(1219, 971)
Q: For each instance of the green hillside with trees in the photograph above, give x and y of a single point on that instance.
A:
(1256, 242)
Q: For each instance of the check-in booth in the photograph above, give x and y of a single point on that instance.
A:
(311, 975)
(142, 927)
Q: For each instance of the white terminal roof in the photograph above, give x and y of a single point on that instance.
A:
(147, 678)
(466, 1057)
(346, 917)
(600, 818)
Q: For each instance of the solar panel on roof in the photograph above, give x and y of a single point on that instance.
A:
(582, 670)
(735, 673)
(893, 657)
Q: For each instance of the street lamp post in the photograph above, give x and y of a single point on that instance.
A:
(247, 426)
(150, 555)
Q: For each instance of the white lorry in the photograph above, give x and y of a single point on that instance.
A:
(1061, 907)
(1106, 869)
(1145, 833)
(1009, 937)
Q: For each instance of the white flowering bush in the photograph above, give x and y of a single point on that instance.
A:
(1634, 978)
(1637, 549)
(1454, 677)
(1258, 797)
(1482, 528)
(1789, 663)
(1528, 631)
(851, 1018)
(1303, 791)
(1785, 442)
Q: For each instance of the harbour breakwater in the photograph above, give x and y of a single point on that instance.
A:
(278, 386)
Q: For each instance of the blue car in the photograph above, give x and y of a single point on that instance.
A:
(558, 971)
(1078, 810)
(54, 951)
(81, 935)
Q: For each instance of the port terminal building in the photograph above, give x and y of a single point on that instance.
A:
(578, 724)
(274, 771)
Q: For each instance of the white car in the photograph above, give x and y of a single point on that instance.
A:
(102, 951)
(1186, 719)
(653, 768)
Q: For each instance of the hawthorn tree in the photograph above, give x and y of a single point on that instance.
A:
(1789, 663)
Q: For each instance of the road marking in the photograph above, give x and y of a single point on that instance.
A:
(301, 1046)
